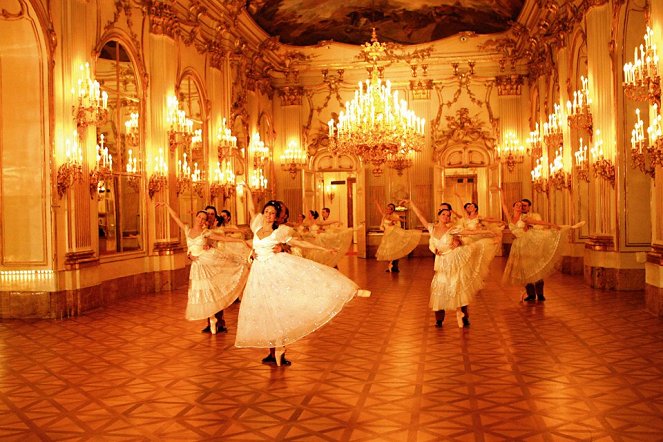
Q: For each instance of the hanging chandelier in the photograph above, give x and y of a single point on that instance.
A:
(376, 125)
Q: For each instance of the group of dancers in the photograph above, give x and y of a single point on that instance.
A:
(277, 305)
(464, 246)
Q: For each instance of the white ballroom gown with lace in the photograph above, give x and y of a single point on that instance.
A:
(535, 253)
(459, 272)
(215, 279)
(286, 296)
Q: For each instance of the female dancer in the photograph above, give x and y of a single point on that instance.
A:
(286, 297)
(473, 221)
(459, 269)
(214, 283)
(535, 253)
(396, 242)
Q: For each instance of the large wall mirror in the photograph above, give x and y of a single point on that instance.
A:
(192, 197)
(118, 197)
(240, 129)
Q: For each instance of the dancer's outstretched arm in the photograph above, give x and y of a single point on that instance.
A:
(416, 211)
(505, 208)
(172, 213)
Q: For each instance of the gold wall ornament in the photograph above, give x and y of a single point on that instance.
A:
(578, 112)
(103, 168)
(400, 161)
(539, 179)
(642, 81)
(647, 152)
(180, 127)
(581, 166)
(535, 143)
(509, 84)
(291, 95)
(91, 103)
(71, 170)
(293, 159)
(183, 174)
(464, 130)
(553, 134)
(163, 19)
(511, 151)
(558, 177)
(159, 177)
(421, 89)
(224, 181)
(603, 167)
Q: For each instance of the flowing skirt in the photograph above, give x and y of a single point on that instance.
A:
(534, 255)
(215, 281)
(339, 240)
(397, 243)
(288, 297)
(460, 274)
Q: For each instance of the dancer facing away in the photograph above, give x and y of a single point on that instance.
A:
(396, 242)
(460, 269)
(214, 283)
(535, 253)
(278, 306)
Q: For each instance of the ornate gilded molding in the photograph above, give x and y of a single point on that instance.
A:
(509, 84)
(163, 19)
(291, 96)
(462, 129)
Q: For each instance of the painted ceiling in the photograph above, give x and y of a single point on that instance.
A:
(308, 22)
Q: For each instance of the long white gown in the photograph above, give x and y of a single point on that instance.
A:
(396, 242)
(460, 271)
(286, 296)
(535, 253)
(215, 279)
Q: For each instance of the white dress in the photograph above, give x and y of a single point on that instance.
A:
(396, 242)
(460, 271)
(215, 279)
(338, 239)
(286, 296)
(535, 253)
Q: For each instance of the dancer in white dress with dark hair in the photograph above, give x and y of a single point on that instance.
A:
(214, 282)
(396, 242)
(460, 269)
(535, 253)
(286, 297)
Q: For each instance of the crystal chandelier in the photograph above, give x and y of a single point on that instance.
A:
(293, 159)
(376, 123)
(511, 151)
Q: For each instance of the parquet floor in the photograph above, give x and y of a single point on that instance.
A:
(584, 365)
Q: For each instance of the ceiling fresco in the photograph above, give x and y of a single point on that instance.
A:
(307, 22)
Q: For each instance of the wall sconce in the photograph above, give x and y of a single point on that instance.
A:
(197, 139)
(159, 177)
(133, 177)
(510, 151)
(180, 128)
(539, 181)
(227, 143)
(224, 181)
(183, 174)
(260, 154)
(552, 129)
(293, 159)
(558, 177)
(603, 167)
(647, 151)
(641, 79)
(71, 171)
(103, 168)
(91, 108)
(582, 166)
(132, 132)
(197, 183)
(579, 113)
(535, 143)
(258, 183)
(330, 192)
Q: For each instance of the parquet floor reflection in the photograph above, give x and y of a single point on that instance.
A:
(584, 365)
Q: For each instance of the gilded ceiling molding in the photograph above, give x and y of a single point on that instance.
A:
(509, 84)
(22, 13)
(462, 129)
(163, 19)
(291, 95)
(216, 55)
(125, 6)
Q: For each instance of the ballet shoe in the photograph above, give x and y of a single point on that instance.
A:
(459, 318)
(279, 355)
(212, 324)
(270, 359)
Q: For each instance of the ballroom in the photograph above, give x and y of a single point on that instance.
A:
(112, 110)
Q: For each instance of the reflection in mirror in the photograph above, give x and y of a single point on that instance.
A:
(119, 208)
(192, 198)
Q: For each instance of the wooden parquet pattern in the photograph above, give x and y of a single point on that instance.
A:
(584, 365)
